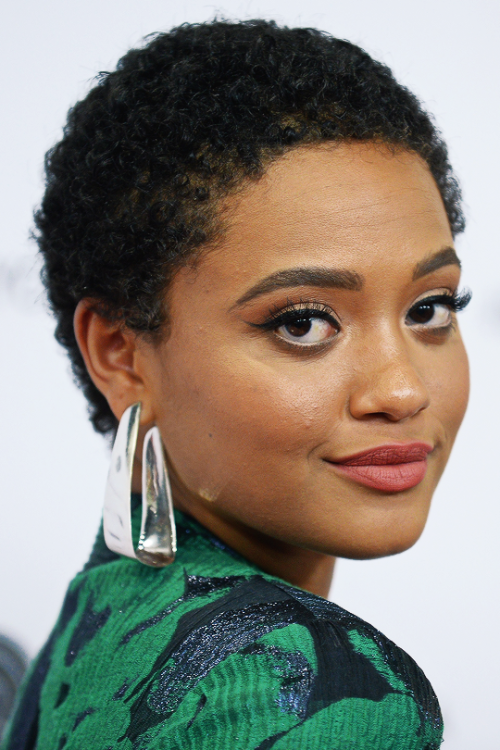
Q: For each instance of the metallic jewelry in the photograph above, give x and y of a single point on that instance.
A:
(157, 542)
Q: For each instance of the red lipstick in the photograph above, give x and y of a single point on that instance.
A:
(388, 468)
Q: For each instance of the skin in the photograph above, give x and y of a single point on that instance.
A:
(251, 419)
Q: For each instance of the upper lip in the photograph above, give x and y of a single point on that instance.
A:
(394, 453)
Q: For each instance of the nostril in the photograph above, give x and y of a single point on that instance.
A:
(391, 393)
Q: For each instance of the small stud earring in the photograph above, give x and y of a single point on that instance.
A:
(157, 542)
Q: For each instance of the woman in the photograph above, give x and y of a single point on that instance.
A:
(248, 243)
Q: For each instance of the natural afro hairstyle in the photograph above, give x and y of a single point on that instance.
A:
(134, 185)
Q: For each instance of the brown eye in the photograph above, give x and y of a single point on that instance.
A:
(423, 313)
(429, 314)
(307, 330)
(299, 328)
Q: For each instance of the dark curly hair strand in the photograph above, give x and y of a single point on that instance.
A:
(134, 185)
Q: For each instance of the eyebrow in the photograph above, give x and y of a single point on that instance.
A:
(294, 277)
(338, 278)
(445, 257)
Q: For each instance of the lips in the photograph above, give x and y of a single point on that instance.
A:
(388, 468)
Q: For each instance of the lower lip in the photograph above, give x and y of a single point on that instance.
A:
(386, 477)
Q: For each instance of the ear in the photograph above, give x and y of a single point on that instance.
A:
(110, 350)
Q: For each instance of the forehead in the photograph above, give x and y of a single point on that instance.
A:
(357, 205)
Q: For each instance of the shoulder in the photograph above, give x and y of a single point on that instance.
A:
(204, 654)
(299, 669)
(249, 662)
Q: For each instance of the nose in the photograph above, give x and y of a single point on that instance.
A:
(389, 386)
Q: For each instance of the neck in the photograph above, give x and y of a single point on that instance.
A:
(309, 570)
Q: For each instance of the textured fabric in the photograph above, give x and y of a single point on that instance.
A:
(213, 653)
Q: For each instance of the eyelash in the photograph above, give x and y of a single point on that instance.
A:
(455, 302)
(295, 312)
(292, 313)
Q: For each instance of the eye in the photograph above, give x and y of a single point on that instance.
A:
(307, 330)
(302, 324)
(432, 312)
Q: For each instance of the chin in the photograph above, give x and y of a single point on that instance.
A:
(373, 533)
(378, 545)
(379, 527)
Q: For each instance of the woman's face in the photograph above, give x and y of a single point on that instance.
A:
(303, 340)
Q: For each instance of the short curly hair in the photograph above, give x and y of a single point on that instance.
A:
(133, 187)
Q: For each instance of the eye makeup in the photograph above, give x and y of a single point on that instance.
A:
(298, 324)
(423, 311)
(304, 325)
(294, 313)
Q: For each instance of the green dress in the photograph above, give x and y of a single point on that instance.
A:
(212, 653)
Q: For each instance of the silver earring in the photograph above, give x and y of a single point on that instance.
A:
(157, 542)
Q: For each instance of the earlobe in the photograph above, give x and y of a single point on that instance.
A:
(109, 351)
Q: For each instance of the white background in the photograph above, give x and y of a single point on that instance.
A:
(439, 601)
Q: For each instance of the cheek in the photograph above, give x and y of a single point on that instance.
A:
(450, 389)
(238, 418)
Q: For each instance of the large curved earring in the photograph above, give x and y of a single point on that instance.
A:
(157, 542)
